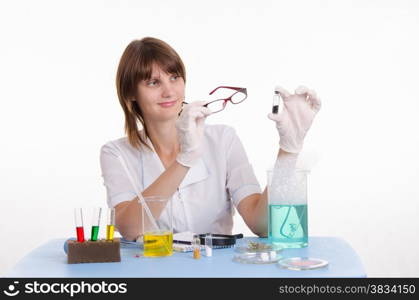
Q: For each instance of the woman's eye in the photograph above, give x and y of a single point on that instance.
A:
(151, 83)
(174, 77)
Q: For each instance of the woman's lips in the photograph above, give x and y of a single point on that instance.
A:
(168, 104)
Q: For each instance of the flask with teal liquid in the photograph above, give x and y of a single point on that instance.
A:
(287, 208)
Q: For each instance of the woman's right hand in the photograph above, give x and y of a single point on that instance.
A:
(190, 129)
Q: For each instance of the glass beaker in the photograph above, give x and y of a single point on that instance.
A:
(157, 233)
(287, 208)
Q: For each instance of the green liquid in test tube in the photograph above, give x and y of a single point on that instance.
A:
(95, 233)
(95, 224)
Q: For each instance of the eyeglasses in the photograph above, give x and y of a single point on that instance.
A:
(218, 105)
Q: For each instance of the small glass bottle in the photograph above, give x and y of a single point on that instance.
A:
(275, 102)
(208, 245)
(196, 244)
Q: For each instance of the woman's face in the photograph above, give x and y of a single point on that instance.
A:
(160, 98)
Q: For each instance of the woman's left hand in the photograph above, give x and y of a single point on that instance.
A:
(296, 117)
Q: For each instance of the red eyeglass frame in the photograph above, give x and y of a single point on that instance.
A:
(228, 99)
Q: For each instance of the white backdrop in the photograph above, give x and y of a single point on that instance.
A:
(58, 105)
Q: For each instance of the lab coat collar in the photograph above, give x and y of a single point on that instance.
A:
(152, 167)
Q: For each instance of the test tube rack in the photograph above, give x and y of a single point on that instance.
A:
(94, 251)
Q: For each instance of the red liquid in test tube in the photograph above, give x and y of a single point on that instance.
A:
(80, 234)
(78, 218)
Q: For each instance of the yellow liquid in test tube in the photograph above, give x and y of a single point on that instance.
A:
(158, 244)
(111, 224)
(109, 232)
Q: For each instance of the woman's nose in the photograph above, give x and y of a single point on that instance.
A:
(167, 90)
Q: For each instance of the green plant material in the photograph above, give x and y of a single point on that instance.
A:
(258, 246)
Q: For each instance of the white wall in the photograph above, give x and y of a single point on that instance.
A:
(58, 105)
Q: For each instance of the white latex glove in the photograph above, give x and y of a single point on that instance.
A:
(190, 129)
(296, 117)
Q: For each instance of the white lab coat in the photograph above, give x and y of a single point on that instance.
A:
(204, 202)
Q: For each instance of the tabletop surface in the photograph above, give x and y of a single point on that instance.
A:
(50, 260)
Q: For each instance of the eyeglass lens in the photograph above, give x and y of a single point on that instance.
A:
(219, 105)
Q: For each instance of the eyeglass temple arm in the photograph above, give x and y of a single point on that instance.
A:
(205, 105)
(239, 89)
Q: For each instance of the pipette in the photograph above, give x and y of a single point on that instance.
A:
(78, 218)
(95, 223)
(111, 224)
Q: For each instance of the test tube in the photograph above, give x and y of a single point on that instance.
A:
(275, 102)
(111, 224)
(196, 243)
(78, 218)
(208, 244)
(95, 223)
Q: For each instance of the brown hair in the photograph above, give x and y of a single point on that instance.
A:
(136, 65)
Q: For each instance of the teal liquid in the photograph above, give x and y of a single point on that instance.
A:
(288, 225)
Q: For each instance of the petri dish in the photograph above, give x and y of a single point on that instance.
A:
(257, 253)
(302, 263)
(254, 247)
(266, 257)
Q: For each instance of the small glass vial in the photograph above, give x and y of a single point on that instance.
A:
(208, 245)
(196, 244)
(275, 102)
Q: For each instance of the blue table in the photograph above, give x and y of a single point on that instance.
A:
(49, 260)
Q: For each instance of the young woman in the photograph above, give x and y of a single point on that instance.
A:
(203, 168)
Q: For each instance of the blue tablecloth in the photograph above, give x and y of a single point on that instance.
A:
(49, 260)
